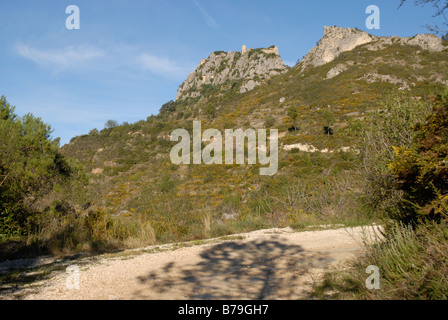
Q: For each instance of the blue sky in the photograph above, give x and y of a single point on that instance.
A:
(130, 56)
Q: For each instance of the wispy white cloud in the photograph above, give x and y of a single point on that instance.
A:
(206, 16)
(163, 66)
(121, 58)
(70, 57)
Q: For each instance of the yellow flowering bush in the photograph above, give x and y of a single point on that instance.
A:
(422, 170)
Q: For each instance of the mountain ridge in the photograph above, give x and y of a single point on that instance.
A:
(337, 40)
(248, 68)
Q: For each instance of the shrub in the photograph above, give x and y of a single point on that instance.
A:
(293, 114)
(269, 121)
(94, 132)
(392, 125)
(421, 170)
(166, 184)
(168, 107)
(413, 265)
(30, 166)
(111, 124)
(210, 110)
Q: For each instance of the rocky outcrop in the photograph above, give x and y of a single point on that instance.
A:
(376, 77)
(335, 41)
(338, 40)
(427, 42)
(338, 69)
(249, 65)
(249, 86)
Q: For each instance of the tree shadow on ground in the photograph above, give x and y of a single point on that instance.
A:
(260, 270)
(18, 275)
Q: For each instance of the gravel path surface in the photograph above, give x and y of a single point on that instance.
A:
(267, 264)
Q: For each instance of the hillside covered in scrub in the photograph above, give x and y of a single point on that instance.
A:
(128, 193)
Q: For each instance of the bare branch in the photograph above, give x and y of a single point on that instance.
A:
(4, 179)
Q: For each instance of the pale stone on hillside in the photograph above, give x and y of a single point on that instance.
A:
(249, 86)
(338, 70)
(97, 171)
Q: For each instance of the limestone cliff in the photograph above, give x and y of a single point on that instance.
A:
(250, 65)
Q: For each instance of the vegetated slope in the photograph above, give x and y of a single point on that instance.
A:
(131, 173)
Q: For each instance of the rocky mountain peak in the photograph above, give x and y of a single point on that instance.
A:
(337, 40)
(249, 65)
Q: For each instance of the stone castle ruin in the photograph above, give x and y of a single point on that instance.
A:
(251, 65)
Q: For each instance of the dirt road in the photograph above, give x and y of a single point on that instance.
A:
(267, 264)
